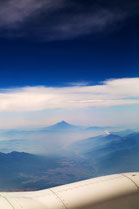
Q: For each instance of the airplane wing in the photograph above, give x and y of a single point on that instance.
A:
(119, 191)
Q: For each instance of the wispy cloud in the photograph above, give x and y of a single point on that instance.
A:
(15, 12)
(76, 25)
(110, 93)
(61, 19)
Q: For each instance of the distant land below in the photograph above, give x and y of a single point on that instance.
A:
(47, 140)
(107, 153)
(88, 158)
(52, 139)
(60, 126)
(22, 171)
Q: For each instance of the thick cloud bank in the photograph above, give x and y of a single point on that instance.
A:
(109, 93)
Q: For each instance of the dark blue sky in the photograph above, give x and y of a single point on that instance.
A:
(102, 46)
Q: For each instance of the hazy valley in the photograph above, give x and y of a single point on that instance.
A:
(107, 151)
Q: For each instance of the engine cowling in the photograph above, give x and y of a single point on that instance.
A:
(120, 191)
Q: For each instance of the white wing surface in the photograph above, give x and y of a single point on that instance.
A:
(119, 191)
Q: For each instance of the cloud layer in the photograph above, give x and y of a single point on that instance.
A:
(62, 19)
(109, 93)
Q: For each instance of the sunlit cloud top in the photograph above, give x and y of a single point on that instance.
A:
(109, 93)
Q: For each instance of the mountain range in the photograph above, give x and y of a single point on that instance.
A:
(58, 127)
(110, 154)
(47, 139)
(91, 157)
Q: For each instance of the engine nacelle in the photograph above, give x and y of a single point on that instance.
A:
(119, 191)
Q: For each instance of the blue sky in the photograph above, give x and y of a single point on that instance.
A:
(58, 63)
(67, 43)
(95, 40)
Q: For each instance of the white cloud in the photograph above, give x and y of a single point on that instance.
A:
(110, 93)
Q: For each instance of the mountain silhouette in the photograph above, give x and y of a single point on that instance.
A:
(61, 126)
